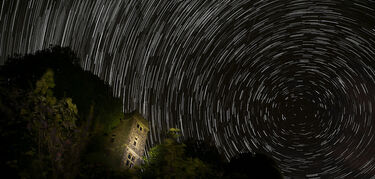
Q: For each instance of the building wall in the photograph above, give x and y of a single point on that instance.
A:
(136, 142)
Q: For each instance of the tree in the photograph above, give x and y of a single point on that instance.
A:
(53, 126)
(70, 80)
(51, 122)
(206, 151)
(248, 165)
(168, 160)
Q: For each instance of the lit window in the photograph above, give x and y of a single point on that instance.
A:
(135, 143)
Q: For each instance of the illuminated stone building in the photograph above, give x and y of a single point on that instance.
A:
(129, 139)
(136, 141)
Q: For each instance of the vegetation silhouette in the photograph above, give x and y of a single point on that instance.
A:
(249, 165)
(43, 140)
(169, 160)
(83, 87)
(245, 165)
(54, 116)
(206, 151)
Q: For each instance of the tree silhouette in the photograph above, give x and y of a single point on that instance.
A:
(168, 160)
(53, 136)
(248, 165)
(45, 131)
(206, 151)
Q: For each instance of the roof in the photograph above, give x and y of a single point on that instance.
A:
(136, 115)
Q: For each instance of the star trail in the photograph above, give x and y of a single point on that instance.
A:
(293, 79)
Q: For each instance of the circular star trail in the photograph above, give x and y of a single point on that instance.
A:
(293, 79)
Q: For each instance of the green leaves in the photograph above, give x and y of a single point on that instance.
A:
(45, 84)
(173, 134)
(30, 153)
(71, 106)
(52, 125)
(36, 112)
(168, 160)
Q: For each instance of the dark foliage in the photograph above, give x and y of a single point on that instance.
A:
(248, 165)
(45, 135)
(169, 160)
(207, 152)
(46, 143)
(83, 87)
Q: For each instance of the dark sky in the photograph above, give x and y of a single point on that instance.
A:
(293, 79)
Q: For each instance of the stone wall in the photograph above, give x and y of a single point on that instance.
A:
(136, 140)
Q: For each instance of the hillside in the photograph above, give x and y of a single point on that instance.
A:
(71, 81)
(55, 116)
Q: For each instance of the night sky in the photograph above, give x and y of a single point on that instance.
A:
(292, 79)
